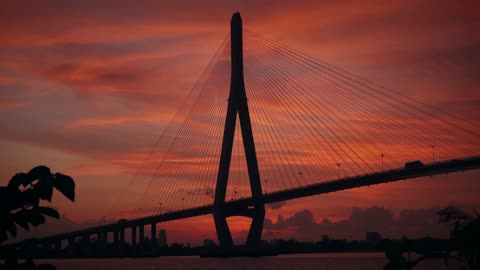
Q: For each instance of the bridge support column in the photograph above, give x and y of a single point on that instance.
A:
(99, 236)
(105, 236)
(115, 236)
(58, 244)
(141, 234)
(134, 236)
(254, 237)
(122, 235)
(154, 237)
(71, 242)
(237, 103)
(154, 232)
(221, 226)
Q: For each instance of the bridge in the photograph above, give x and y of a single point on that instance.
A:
(318, 129)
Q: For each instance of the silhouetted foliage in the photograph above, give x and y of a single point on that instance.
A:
(20, 205)
(465, 234)
(464, 248)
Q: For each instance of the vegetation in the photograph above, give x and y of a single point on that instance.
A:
(20, 205)
(464, 248)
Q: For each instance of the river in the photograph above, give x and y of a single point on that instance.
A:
(330, 261)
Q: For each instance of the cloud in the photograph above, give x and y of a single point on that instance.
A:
(409, 222)
(277, 205)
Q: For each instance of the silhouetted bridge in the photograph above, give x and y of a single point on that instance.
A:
(339, 115)
(118, 229)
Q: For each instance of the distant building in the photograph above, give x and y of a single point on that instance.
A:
(275, 242)
(209, 243)
(325, 238)
(162, 238)
(373, 237)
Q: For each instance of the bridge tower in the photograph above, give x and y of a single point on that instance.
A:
(237, 103)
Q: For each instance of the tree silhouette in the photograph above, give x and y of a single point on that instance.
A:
(464, 237)
(465, 234)
(20, 203)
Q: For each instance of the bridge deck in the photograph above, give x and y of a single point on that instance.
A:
(430, 169)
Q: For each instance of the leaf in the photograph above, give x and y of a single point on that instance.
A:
(19, 179)
(21, 219)
(3, 236)
(3, 191)
(11, 227)
(65, 185)
(44, 189)
(34, 217)
(10, 198)
(39, 172)
(49, 212)
(30, 196)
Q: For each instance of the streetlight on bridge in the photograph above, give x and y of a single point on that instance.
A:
(433, 151)
(382, 156)
(299, 179)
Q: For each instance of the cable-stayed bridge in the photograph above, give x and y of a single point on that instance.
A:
(291, 126)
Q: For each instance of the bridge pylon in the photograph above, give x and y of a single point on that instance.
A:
(237, 103)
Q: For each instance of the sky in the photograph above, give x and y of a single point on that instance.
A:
(88, 86)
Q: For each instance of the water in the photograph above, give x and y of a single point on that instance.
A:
(331, 261)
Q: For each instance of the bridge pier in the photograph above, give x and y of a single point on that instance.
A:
(134, 236)
(71, 242)
(154, 237)
(221, 226)
(122, 235)
(254, 237)
(141, 234)
(237, 103)
(105, 236)
(115, 236)
(154, 232)
(58, 244)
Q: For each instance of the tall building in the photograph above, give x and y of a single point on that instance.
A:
(373, 237)
(209, 243)
(162, 238)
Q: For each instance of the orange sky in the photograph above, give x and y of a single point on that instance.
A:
(88, 86)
